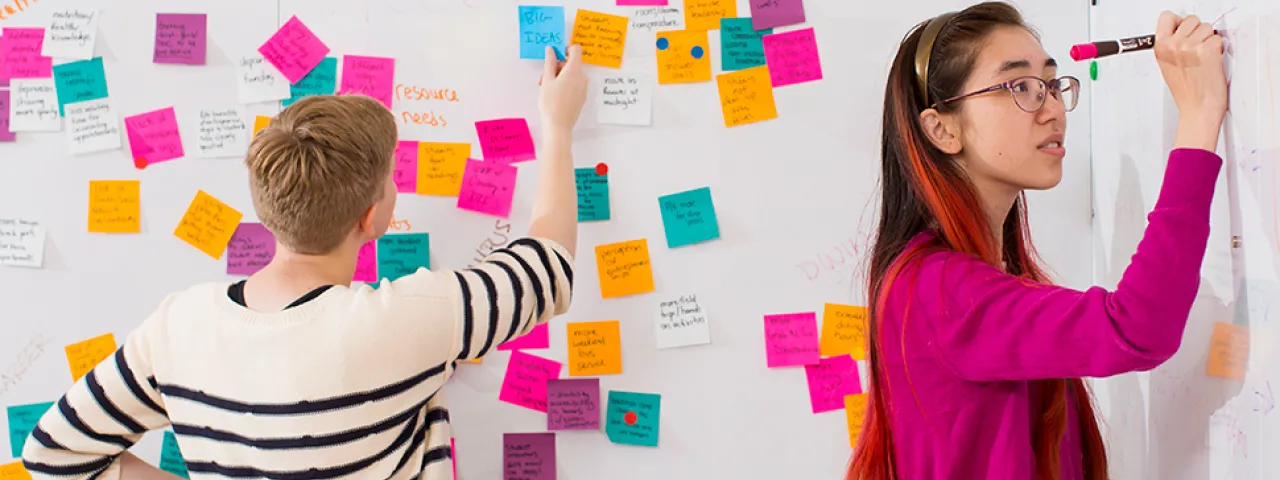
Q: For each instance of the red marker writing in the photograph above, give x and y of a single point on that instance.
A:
(1085, 51)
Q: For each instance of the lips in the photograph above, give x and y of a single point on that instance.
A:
(1051, 144)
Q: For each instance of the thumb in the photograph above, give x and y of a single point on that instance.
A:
(574, 57)
(549, 64)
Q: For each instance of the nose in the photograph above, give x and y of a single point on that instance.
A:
(1053, 109)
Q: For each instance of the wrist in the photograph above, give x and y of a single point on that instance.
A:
(557, 134)
(1197, 131)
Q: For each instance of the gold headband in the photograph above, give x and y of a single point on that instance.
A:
(924, 51)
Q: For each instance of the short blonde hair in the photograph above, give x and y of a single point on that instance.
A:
(318, 166)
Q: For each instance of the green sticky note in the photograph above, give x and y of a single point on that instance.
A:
(22, 420)
(689, 217)
(593, 194)
(79, 81)
(741, 46)
(322, 80)
(171, 457)
(400, 254)
(632, 418)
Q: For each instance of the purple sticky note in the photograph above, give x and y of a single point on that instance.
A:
(830, 380)
(791, 339)
(535, 339)
(20, 54)
(5, 134)
(776, 13)
(529, 456)
(294, 50)
(634, 3)
(154, 136)
(372, 76)
(487, 188)
(525, 383)
(406, 175)
(573, 404)
(367, 263)
(252, 247)
(792, 57)
(505, 140)
(180, 38)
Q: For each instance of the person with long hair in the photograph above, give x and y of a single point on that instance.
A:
(976, 359)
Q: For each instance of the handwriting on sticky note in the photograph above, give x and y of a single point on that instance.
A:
(440, 167)
(855, 412)
(645, 21)
(171, 456)
(14, 471)
(154, 135)
(80, 81)
(682, 321)
(1228, 351)
(626, 3)
(400, 254)
(33, 105)
(258, 81)
(706, 14)
(20, 55)
(741, 46)
(633, 418)
(683, 57)
(208, 224)
(625, 99)
(593, 194)
(573, 404)
(830, 381)
(222, 132)
(776, 13)
(538, 338)
(603, 37)
(72, 33)
(746, 96)
(92, 126)
(541, 27)
(525, 383)
(22, 420)
(689, 217)
(487, 188)
(294, 50)
(252, 247)
(21, 242)
(505, 140)
(406, 174)
(115, 206)
(529, 456)
(844, 330)
(792, 57)
(371, 76)
(84, 355)
(624, 269)
(595, 348)
(367, 263)
(180, 38)
(322, 80)
(791, 339)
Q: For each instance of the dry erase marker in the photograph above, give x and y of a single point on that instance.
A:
(1106, 48)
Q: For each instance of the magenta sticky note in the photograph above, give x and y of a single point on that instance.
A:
(5, 134)
(406, 175)
(505, 140)
(525, 383)
(20, 54)
(294, 50)
(487, 188)
(529, 456)
(372, 76)
(180, 38)
(791, 339)
(367, 263)
(830, 380)
(792, 57)
(154, 136)
(252, 247)
(776, 13)
(637, 3)
(537, 338)
(573, 404)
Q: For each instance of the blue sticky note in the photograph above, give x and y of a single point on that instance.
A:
(400, 254)
(632, 418)
(80, 81)
(322, 80)
(593, 194)
(740, 45)
(540, 27)
(689, 217)
(171, 457)
(22, 420)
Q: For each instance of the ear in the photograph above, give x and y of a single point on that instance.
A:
(943, 131)
(365, 225)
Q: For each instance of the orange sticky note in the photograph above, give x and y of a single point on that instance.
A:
(855, 411)
(115, 206)
(1228, 351)
(14, 471)
(260, 122)
(440, 167)
(602, 36)
(844, 330)
(624, 268)
(475, 360)
(684, 56)
(595, 348)
(706, 14)
(83, 356)
(208, 224)
(746, 96)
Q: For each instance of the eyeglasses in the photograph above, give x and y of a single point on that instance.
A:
(1029, 92)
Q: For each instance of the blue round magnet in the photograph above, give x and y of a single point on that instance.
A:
(697, 52)
(663, 44)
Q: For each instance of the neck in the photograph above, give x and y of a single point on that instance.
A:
(306, 272)
(997, 201)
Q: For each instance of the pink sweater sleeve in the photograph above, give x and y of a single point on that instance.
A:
(991, 326)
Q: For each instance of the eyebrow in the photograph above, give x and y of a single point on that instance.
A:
(1016, 64)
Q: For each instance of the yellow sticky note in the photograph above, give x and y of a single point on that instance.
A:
(602, 36)
(684, 56)
(440, 167)
(706, 14)
(208, 224)
(844, 330)
(115, 206)
(83, 356)
(624, 268)
(14, 471)
(260, 122)
(746, 96)
(1228, 351)
(855, 411)
(595, 348)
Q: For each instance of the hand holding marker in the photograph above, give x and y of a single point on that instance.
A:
(1106, 48)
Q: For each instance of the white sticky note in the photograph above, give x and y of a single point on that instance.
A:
(646, 21)
(33, 105)
(682, 321)
(625, 99)
(71, 34)
(21, 243)
(221, 132)
(260, 81)
(92, 126)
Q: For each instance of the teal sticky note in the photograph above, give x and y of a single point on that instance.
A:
(541, 26)
(80, 81)
(632, 418)
(689, 217)
(593, 194)
(322, 80)
(22, 420)
(171, 457)
(400, 254)
(741, 46)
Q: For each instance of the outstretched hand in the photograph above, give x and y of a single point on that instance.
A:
(563, 89)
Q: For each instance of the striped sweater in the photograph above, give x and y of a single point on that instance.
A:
(347, 385)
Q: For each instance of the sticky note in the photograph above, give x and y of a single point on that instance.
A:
(33, 105)
(115, 206)
(683, 57)
(180, 38)
(22, 420)
(595, 348)
(440, 167)
(80, 81)
(260, 122)
(84, 355)
(538, 338)
(371, 76)
(21, 242)
(258, 81)
(171, 456)
(529, 456)
(844, 330)
(624, 268)
(93, 126)
(633, 418)
(208, 224)
(505, 140)
(487, 188)
(322, 80)
(593, 194)
(540, 27)
(741, 46)
(791, 339)
(746, 96)
(625, 3)
(72, 33)
(689, 217)
(20, 55)
(294, 50)
(645, 21)
(222, 132)
(682, 321)
(776, 13)
(525, 383)
(400, 254)
(573, 404)
(603, 37)
(406, 174)
(5, 134)
(830, 381)
(252, 247)
(14, 471)
(1228, 351)
(792, 57)
(706, 14)
(154, 136)
(625, 99)
(855, 412)
(367, 263)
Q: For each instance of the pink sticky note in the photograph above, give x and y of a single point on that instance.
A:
(776, 13)
(372, 76)
(20, 54)
(180, 38)
(830, 380)
(792, 57)
(525, 383)
(367, 263)
(505, 140)
(154, 136)
(5, 134)
(294, 50)
(573, 404)
(791, 339)
(252, 247)
(487, 188)
(535, 339)
(406, 175)
(624, 3)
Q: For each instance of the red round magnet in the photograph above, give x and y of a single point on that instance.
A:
(602, 169)
(630, 418)
(140, 163)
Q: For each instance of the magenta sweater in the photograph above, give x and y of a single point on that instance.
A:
(975, 337)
